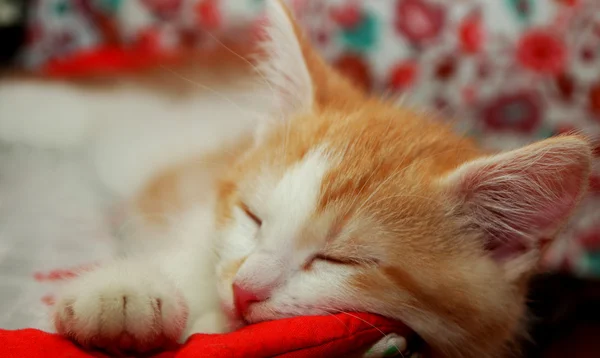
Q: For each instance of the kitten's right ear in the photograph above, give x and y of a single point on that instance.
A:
(300, 79)
(517, 198)
(285, 66)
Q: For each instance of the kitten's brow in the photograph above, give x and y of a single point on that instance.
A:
(400, 172)
(397, 173)
(368, 181)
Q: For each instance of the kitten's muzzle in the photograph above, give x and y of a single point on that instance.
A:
(243, 298)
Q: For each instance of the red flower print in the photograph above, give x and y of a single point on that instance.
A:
(594, 186)
(446, 68)
(588, 54)
(355, 68)
(566, 86)
(34, 33)
(562, 129)
(469, 94)
(441, 103)
(62, 274)
(163, 8)
(484, 69)
(419, 21)
(590, 239)
(596, 149)
(542, 52)
(346, 16)
(208, 14)
(321, 38)
(149, 39)
(519, 111)
(55, 275)
(48, 300)
(568, 2)
(403, 75)
(594, 100)
(297, 6)
(471, 34)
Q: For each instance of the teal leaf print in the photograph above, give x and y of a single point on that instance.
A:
(391, 352)
(546, 132)
(523, 9)
(363, 35)
(110, 6)
(62, 7)
(591, 261)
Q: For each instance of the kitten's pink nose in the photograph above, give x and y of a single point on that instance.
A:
(243, 298)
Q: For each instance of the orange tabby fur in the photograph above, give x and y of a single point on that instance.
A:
(390, 158)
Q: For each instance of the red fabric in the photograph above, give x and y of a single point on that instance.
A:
(108, 60)
(319, 336)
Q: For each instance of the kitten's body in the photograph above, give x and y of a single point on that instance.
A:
(340, 202)
(182, 124)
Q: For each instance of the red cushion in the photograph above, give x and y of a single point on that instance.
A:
(319, 336)
(108, 60)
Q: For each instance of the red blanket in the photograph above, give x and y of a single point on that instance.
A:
(320, 336)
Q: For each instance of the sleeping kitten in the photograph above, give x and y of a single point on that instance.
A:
(339, 202)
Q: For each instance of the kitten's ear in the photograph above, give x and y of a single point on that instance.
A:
(285, 66)
(520, 197)
(300, 78)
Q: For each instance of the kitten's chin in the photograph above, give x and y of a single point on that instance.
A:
(265, 312)
(257, 314)
(234, 321)
(235, 324)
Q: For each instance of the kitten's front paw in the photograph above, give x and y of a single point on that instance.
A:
(210, 322)
(121, 310)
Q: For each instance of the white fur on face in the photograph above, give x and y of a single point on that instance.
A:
(273, 261)
(286, 205)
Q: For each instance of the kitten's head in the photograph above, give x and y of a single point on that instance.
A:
(347, 203)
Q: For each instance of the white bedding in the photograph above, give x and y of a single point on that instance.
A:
(54, 205)
(51, 221)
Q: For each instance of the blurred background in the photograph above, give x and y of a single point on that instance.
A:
(507, 72)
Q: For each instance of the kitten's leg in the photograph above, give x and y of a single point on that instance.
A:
(209, 322)
(125, 305)
(170, 292)
(45, 114)
(145, 301)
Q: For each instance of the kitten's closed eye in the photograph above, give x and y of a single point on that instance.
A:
(342, 261)
(251, 214)
(335, 260)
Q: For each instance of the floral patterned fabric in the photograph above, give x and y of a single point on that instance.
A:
(507, 71)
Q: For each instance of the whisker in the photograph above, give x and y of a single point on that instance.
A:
(211, 90)
(383, 334)
(253, 66)
(332, 315)
(268, 83)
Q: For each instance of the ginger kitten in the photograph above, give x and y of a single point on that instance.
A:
(339, 202)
